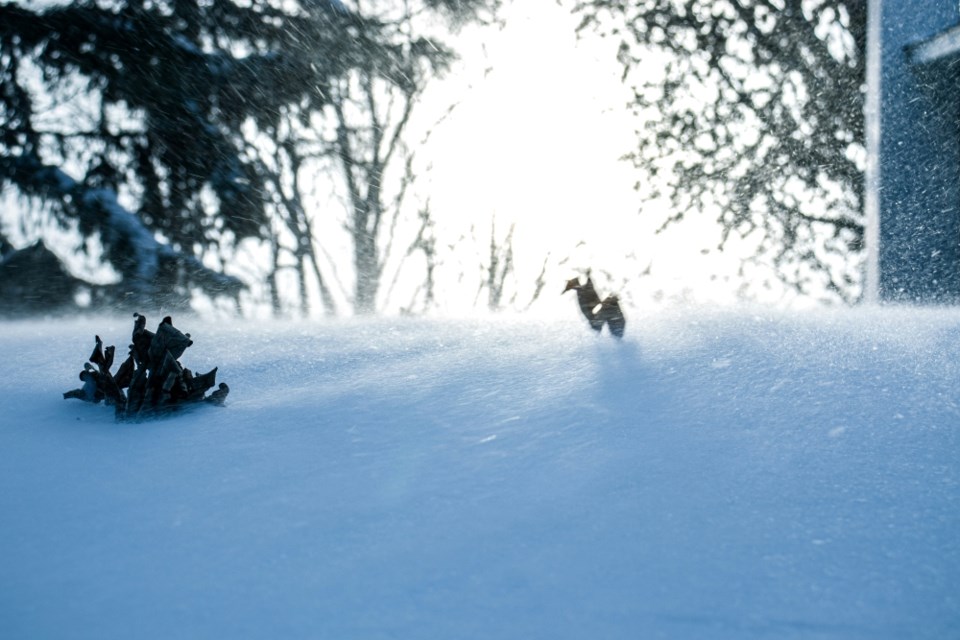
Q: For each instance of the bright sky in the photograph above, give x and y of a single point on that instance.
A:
(537, 141)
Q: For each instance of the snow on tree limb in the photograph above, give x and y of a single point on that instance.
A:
(130, 246)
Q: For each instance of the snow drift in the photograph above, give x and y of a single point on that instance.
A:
(713, 475)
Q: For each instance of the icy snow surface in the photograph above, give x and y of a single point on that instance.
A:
(715, 475)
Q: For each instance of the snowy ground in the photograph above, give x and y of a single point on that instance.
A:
(715, 475)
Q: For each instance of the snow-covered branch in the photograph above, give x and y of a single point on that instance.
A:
(129, 245)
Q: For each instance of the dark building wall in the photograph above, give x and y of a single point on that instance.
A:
(918, 188)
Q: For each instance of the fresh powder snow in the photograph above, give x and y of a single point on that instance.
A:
(715, 474)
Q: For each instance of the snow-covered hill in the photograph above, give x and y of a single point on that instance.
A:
(715, 475)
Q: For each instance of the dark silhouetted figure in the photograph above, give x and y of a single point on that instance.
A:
(596, 312)
(588, 300)
(611, 314)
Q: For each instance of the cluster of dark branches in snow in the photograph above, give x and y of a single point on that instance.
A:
(151, 380)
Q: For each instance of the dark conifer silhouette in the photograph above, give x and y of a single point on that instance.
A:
(774, 68)
(598, 312)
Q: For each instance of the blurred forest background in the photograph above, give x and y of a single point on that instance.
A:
(271, 157)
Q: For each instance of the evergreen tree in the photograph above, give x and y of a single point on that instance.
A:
(752, 111)
(198, 116)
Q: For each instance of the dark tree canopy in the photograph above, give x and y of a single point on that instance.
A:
(172, 130)
(751, 112)
(161, 122)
